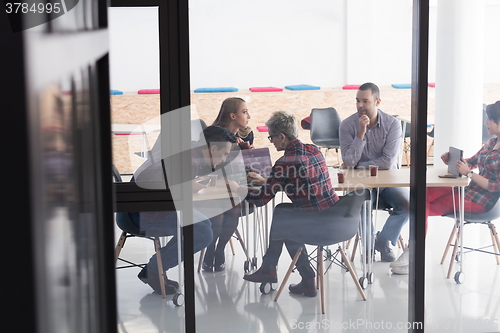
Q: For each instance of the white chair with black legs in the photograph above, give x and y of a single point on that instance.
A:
(338, 225)
(454, 239)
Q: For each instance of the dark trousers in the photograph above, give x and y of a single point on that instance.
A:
(288, 223)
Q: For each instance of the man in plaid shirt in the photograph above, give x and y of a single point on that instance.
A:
(302, 174)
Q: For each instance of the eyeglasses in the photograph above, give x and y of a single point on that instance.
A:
(270, 137)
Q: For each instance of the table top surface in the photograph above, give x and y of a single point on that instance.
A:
(393, 178)
(356, 179)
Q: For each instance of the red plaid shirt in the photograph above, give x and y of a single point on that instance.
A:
(302, 174)
(487, 160)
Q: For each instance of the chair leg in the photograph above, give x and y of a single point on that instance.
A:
(231, 245)
(348, 244)
(356, 241)
(429, 150)
(321, 275)
(242, 243)
(120, 245)
(353, 274)
(202, 256)
(406, 151)
(287, 275)
(401, 243)
(454, 253)
(496, 241)
(448, 244)
(161, 273)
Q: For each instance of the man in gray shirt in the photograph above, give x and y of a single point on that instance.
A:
(373, 137)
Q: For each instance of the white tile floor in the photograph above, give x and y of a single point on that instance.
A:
(227, 303)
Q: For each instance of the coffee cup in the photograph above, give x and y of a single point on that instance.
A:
(341, 176)
(373, 170)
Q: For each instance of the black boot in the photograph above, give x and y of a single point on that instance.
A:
(266, 273)
(306, 287)
(153, 280)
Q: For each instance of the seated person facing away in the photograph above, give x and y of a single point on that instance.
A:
(302, 174)
(210, 154)
(234, 116)
(372, 137)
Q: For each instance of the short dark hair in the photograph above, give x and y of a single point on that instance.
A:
(373, 87)
(493, 112)
(218, 136)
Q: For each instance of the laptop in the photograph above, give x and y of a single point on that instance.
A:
(249, 160)
(455, 155)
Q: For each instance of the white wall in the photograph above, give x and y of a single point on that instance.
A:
(133, 48)
(266, 43)
(248, 43)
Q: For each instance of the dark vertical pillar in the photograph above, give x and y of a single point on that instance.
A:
(18, 290)
(420, 58)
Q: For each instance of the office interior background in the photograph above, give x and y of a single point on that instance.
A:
(56, 84)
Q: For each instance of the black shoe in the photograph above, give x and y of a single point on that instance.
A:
(306, 287)
(383, 246)
(153, 280)
(265, 273)
(207, 268)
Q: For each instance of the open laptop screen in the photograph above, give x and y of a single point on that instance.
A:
(250, 160)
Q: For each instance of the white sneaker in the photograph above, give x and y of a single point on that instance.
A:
(401, 270)
(403, 260)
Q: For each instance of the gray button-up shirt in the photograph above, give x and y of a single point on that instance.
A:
(381, 144)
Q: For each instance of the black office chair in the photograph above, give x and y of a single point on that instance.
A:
(325, 125)
(197, 126)
(406, 143)
(338, 224)
(482, 219)
(431, 134)
(130, 230)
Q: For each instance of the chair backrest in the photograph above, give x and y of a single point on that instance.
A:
(116, 174)
(431, 132)
(407, 133)
(334, 225)
(123, 220)
(492, 214)
(325, 125)
(197, 126)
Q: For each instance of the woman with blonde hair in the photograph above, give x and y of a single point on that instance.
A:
(234, 116)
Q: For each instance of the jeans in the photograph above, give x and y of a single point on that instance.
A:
(202, 233)
(397, 198)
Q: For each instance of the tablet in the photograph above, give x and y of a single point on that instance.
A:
(454, 156)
